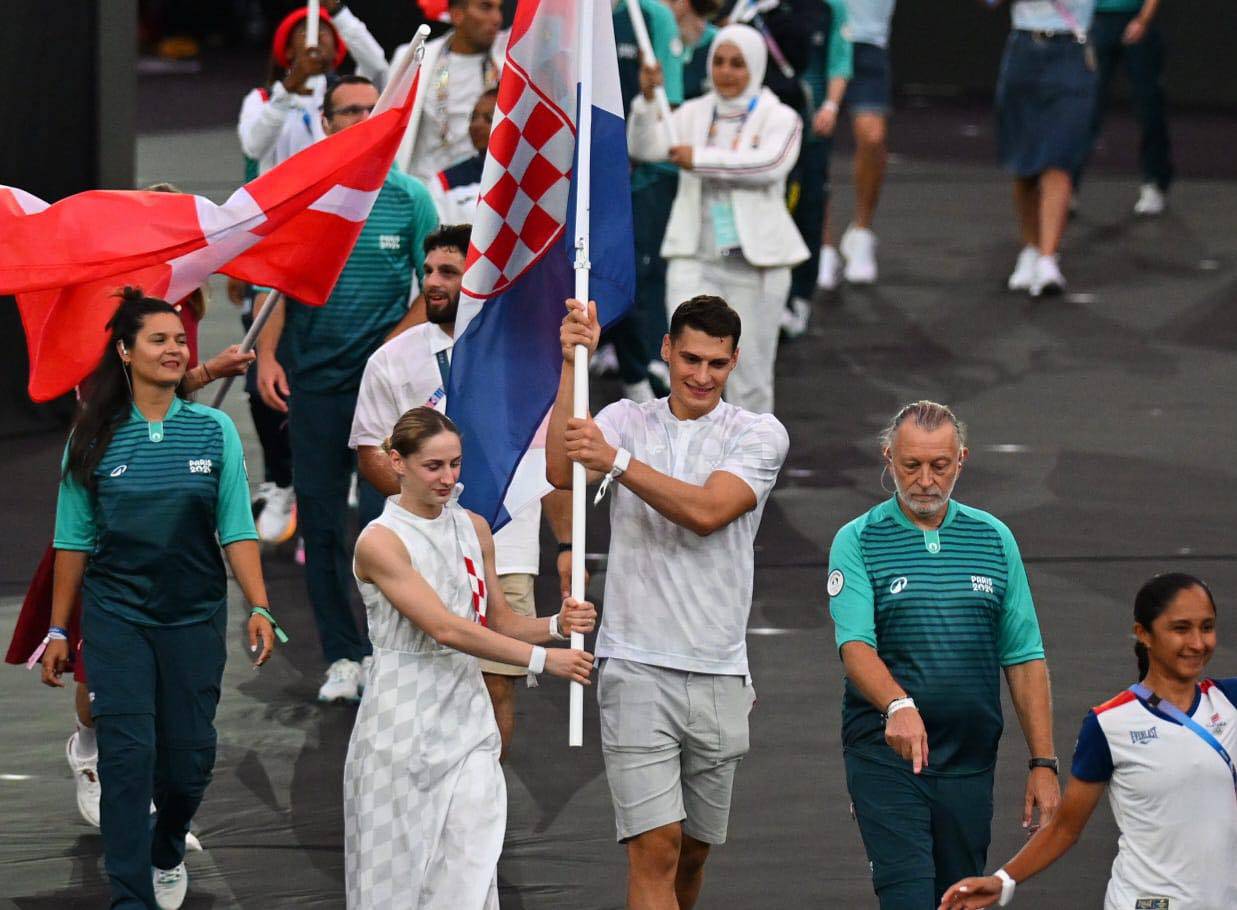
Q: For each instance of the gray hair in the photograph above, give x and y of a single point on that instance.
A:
(927, 415)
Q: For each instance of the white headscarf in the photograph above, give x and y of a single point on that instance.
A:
(751, 45)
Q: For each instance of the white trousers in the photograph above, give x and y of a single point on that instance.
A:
(758, 296)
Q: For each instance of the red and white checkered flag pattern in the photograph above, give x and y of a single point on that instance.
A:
(478, 590)
(522, 206)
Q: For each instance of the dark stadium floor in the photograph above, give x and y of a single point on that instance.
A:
(1101, 433)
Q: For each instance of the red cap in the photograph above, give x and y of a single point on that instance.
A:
(279, 44)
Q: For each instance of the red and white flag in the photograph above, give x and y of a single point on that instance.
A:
(291, 229)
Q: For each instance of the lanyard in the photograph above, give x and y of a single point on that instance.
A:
(1188, 722)
(444, 367)
(751, 106)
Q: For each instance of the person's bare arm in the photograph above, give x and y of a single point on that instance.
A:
(1031, 694)
(904, 729)
(556, 507)
(1137, 27)
(272, 380)
(245, 558)
(70, 567)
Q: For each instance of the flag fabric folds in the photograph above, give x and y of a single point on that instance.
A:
(507, 361)
(292, 229)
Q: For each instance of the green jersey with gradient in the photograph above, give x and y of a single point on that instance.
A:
(168, 493)
(324, 349)
(945, 610)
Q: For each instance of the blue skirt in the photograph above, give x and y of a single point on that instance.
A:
(1044, 98)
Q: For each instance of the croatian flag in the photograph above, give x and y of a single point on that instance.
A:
(292, 229)
(507, 360)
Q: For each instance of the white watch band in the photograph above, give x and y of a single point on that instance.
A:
(555, 632)
(536, 663)
(1007, 887)
(898, 704)
(622, 458)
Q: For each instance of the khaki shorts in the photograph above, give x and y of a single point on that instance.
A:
(672, 742)
(518, 589)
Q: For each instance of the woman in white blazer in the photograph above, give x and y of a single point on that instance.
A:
(729, 232)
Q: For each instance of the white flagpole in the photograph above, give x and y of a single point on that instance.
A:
(579, 477)
(412, 59)
(311, 23)
(647, 57)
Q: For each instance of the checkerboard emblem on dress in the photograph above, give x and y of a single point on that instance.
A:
(506, 360)
(477, 584)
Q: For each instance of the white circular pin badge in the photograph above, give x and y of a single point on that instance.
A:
(836, 582)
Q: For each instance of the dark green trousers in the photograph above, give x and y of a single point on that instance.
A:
(153, 694)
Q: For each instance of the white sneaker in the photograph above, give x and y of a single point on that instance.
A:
(262, 493)
(1048, 279)
(86, 777)
(858, 248)
(170, 886)
(795, 316)
(639, 392)
(604, 362)
(367, 667)
(1151, 200)
(343, 679)
(827, 270)
(1024, 272)
(277, 522)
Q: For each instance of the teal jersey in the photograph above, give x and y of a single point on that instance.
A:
(668, 49)
(1118, 6)
(696, 64)
(168, 493)
(831, 58)
(945, 611)
(324, 349)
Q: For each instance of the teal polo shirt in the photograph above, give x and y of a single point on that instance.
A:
(696, 64)
(324, 349)
(945, 610)
(1118, 6)
(168, 493)
(668, 49)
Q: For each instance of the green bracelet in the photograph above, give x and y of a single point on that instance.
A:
(279, 632)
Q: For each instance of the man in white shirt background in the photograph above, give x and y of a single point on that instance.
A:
(691, 475)
(411, 370)
(456, 70)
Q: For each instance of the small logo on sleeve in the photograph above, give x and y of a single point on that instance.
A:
(1142, 737)
(836, 582)
(898, 585)
(199, 466)
(118, 470)
(388, 241)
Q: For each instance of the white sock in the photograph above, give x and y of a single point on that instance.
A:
(86, 746)
(827, 265)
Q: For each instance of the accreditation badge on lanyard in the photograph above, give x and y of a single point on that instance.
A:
(721, 211)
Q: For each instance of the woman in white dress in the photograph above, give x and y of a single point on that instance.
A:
(425, 802)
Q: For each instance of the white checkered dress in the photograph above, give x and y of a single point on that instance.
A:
(425, 803)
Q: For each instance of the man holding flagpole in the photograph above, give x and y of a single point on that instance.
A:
(689, 477)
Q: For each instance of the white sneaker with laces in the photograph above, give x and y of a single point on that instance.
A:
(1024, 271)
(1151, 200)
(858, 248)
(343, 682)
(86, 777)
(277, 522)
(170, 886)
(795, 316)
(639, 392)
(1048, 279)
(827, 269)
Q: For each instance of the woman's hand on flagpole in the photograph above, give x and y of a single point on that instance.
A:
(231, 361)
(579, 327)
(576, 616)
(650, 78)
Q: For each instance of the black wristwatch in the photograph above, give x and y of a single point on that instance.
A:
(564, 547)
(1050, 763)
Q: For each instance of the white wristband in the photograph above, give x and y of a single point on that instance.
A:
(1007, 887)
(830, 105)
(622, 458)
(554, 631)
(898, 704)
(536, 663)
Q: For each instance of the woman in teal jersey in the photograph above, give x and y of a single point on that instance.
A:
(152, 486)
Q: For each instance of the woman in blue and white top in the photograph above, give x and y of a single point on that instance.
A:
(1163, 751)
(153, 486)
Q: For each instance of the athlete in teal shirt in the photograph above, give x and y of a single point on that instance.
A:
(930, 602)
(152, 487)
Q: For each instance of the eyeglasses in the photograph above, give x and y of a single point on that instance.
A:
(353, 110)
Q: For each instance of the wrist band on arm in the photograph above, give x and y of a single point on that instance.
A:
(622, 458)
(565, 547)
(830, 105)
(1007, 887)
(269, 617)
(536, 663)
(54, 633)
(898, 704)
(555, 632)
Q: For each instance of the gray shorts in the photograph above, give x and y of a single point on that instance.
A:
(672, 741)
